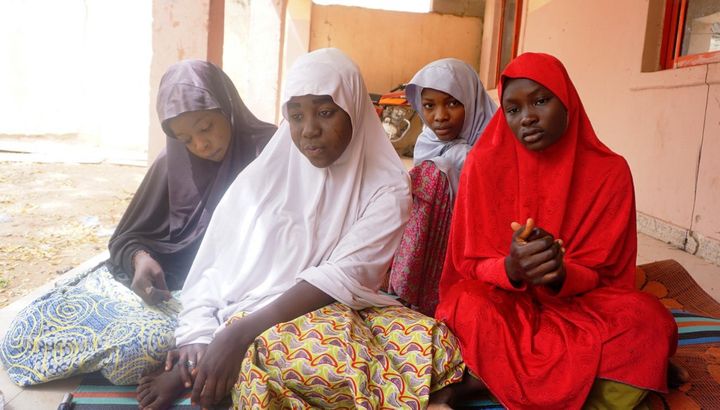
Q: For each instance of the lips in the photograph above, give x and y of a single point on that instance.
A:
(312, 149)
(442, 131)
(216, 156)
(533, 135)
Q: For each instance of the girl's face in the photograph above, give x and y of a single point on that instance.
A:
(443, 113)
(206, 134)
(320, 129)
(535, 115)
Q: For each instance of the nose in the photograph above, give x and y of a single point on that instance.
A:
(529, 118)
(311, 129)
(441, 114)
(201, 144)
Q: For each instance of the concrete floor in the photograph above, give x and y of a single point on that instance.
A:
(49, 395)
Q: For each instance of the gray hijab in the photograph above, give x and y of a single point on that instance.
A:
(170, 211)
(460, 80)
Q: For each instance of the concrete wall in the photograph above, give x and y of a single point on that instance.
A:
(179, 31)
(665, 123)
(74, 67)
(252, 52)
(390, 47)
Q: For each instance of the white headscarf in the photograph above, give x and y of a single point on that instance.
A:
(457, 78)
(284, 220)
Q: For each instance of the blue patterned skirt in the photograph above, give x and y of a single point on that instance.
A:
(95, 324)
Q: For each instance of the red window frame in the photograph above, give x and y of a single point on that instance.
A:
(673, 28)
(501, 33)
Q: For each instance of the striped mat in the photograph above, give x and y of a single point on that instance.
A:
(695, 329)
(97, 393)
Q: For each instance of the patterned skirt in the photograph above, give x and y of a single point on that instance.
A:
(96, 324)
(418, 262)
(339, 358)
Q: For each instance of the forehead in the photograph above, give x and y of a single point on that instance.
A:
(521, 87)
(431, 93)
(308, 100)
(189, 119)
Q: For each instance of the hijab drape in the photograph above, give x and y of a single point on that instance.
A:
(459, 79)
(534, 348)
(284, 220)
(171, 210)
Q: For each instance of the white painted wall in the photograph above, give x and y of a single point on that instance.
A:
(76, 67)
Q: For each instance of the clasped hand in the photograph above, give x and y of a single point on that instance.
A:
(535, 258)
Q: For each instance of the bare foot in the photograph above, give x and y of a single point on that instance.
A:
(446, 397)
(677, 375)
(441, 399)
(159, 391)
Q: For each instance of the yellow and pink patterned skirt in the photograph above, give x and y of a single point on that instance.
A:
(336, 357)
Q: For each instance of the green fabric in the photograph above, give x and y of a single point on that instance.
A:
(611, 395)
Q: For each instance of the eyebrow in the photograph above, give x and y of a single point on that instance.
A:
(536, 89)
(319, 100)
(202, 117)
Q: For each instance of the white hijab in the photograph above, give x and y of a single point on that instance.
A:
(284, 220)
(457, 78)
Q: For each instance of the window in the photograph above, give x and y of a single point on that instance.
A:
(501, 37)
(510, 12)
(691, 33)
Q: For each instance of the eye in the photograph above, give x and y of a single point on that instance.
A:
(297, 117)
(428, 106)
(326, 113)
(511, 110)
(542, 100)
(184, 139)
(206, 127)
(454, 103)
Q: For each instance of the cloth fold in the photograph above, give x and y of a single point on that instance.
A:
(531, 347)
(172, 207)
(284, 220)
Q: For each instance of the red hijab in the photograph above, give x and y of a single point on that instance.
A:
(577, 189)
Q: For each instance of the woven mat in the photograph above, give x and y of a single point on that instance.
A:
(667, 280)
(677, 290)
(97, 393)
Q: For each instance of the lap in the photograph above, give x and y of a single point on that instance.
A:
(96, 324)
(339, 357)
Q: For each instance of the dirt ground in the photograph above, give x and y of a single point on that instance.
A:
(53, 216)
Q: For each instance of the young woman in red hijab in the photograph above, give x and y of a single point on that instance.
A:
(546, 312)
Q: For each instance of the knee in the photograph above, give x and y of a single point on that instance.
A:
(647, 313)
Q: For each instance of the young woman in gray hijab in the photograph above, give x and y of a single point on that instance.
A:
(99, 324)
(455, 109)
(211, 137)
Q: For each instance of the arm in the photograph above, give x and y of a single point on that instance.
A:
(218, 370)
(351, 275)
(145, 215)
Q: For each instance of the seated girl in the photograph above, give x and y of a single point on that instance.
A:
(281, 305)
(546, 312)
(455, 109)
(211, 137)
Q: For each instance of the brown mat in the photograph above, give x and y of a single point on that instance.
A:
(676, 289)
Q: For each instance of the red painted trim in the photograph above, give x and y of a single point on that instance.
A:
(498, 54)
(698, 59)
(680, 30)
(216, 32)
(501, 33)
(516, 29)
(670, 27)
(673, 31)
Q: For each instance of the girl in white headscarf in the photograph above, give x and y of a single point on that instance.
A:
(288, 273)
(455, 109)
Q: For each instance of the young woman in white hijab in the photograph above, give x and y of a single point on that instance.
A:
(288, 273)
(455, 109)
